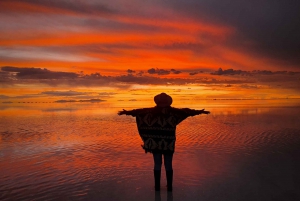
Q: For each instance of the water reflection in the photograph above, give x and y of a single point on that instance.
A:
(90, 153)
(157, 197)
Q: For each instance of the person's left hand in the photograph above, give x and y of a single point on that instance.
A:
(206, 112)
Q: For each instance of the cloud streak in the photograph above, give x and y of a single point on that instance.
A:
(162, 71)
(80, 101)
(229, 77)
(38, 73)
(64, 93)
(220, 71)
(91, 49)
(55, 6)
(265, 28)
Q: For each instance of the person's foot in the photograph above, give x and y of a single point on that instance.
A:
(169, 174)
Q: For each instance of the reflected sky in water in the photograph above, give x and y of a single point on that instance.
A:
(87, 152)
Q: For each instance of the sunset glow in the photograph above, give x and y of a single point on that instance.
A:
(125, 51)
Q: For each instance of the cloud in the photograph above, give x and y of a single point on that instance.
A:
(4, 97)
(38, 73)
(7, 102)
(64, 93)
(162, 71)
(56, 6)
(175, 71)
(158, 71)
(86, 100)
(195, 73)
(65, 101)
(248, 86)
(198, 47)
(140, 73)
(130, 71)
(264, 28)
(220, 71)
(94, 100)
(33, 76)
(70, 93)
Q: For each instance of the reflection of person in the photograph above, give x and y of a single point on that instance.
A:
(157, 127)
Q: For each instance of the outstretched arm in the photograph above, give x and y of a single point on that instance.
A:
(192, 112)
(184, 113)
(127, 112)
(134, 112)
(203, 111)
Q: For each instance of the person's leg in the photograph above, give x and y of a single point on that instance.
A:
(157, 157)
(168, 158)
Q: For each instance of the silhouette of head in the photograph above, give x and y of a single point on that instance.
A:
(163, 100)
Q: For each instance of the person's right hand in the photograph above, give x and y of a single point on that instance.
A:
(121, 112)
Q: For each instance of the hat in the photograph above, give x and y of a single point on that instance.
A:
(163, 100)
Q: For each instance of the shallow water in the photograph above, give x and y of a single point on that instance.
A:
(87, 152)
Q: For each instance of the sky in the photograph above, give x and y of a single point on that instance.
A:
(125, 51)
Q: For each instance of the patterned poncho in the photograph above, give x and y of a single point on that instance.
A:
(157, 126)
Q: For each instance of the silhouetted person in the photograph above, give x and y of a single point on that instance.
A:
(157, 126)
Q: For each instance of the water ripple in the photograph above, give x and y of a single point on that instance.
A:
(75, 155)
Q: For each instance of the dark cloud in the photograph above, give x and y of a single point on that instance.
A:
(267, 27)
(140, 73)
(158, 71)
(220, 71)
(38, 73)
(73, 101)
(130, 71)
(195, 73)
(175, 71)
(4, 77)
(64, 93)
(94, 100)
(4, 97)
(163, 71)
(65, 101)
(53, 78)
(7, 102)
(286, 79)
(258, 78)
